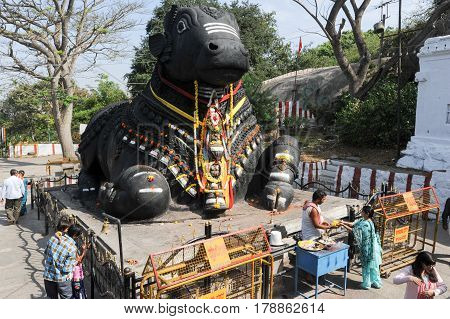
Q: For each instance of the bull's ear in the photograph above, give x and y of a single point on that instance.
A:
(157, 43)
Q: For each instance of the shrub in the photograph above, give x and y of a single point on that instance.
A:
(263, 102)
(373, 122)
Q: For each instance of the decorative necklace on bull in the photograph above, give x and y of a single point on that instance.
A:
(212, 141)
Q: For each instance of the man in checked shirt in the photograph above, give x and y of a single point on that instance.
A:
(60, 259)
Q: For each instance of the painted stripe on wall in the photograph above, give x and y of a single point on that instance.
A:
(339, 179)
(409, 182)
(391, 180)
(286, 109)
(310, 173)
(427, 180)
(356, 181)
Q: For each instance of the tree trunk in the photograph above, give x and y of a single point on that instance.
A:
(63, 122)
(65, 138)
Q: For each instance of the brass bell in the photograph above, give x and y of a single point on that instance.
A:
(105, 227)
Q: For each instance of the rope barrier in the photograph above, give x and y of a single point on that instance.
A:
(349, 186)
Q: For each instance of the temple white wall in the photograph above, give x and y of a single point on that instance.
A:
(429, 148)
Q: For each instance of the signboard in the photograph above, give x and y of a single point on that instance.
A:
(410, 201)
(401, 234)
(218, 294)
(217, 253)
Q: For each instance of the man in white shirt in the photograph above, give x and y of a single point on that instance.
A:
(313, 223)
(12, 190)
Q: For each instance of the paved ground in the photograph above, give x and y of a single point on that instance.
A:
(21, 256)
(22, 247)
(33, 166)
(389, 290)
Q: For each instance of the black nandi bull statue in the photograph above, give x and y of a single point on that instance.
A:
(191, 138)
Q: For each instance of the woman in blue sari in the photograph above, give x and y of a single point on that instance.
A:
(369, 246)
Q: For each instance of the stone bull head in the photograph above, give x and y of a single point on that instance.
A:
(200, 43)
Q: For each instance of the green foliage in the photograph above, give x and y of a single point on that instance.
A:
(26, 111)
(268, 54)
(373, 122)
(264, 102)
(293, 123)
(107, 92)
(323, 55)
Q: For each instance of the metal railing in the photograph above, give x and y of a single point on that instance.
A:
(100, 264)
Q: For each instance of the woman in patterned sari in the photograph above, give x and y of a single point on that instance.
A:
(369, 246)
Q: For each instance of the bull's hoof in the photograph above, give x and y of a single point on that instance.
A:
(277, 195)
(141, 193)
(87, 186)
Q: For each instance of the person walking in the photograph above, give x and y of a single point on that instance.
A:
(23, 204)
(13, 191)
(60, 260)
(369, 246)
(421, 278)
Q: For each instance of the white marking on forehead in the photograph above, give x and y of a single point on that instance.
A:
(150, 190)
(215, 27)
(218, 24)
(224, 31)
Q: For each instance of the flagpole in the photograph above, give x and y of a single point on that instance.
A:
(300, 46)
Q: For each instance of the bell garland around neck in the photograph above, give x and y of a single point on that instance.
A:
(212, 152)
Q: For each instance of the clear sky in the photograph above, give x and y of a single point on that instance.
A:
(292, 23)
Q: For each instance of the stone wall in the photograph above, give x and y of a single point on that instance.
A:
(20, 150)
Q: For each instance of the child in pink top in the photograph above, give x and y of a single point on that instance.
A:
(78, 290)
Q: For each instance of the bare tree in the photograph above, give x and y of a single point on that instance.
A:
(437, 23)
(332, 30)
(46, 38)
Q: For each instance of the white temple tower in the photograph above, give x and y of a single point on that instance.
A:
(429, 148)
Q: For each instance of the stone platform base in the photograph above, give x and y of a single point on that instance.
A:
(176, 228)
(431, 155)
(426, 154)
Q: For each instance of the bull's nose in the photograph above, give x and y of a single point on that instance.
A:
(213, 46)
(217, 47)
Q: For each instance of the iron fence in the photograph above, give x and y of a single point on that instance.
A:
(100, 264)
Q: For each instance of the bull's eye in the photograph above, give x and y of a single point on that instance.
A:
(181, 26)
